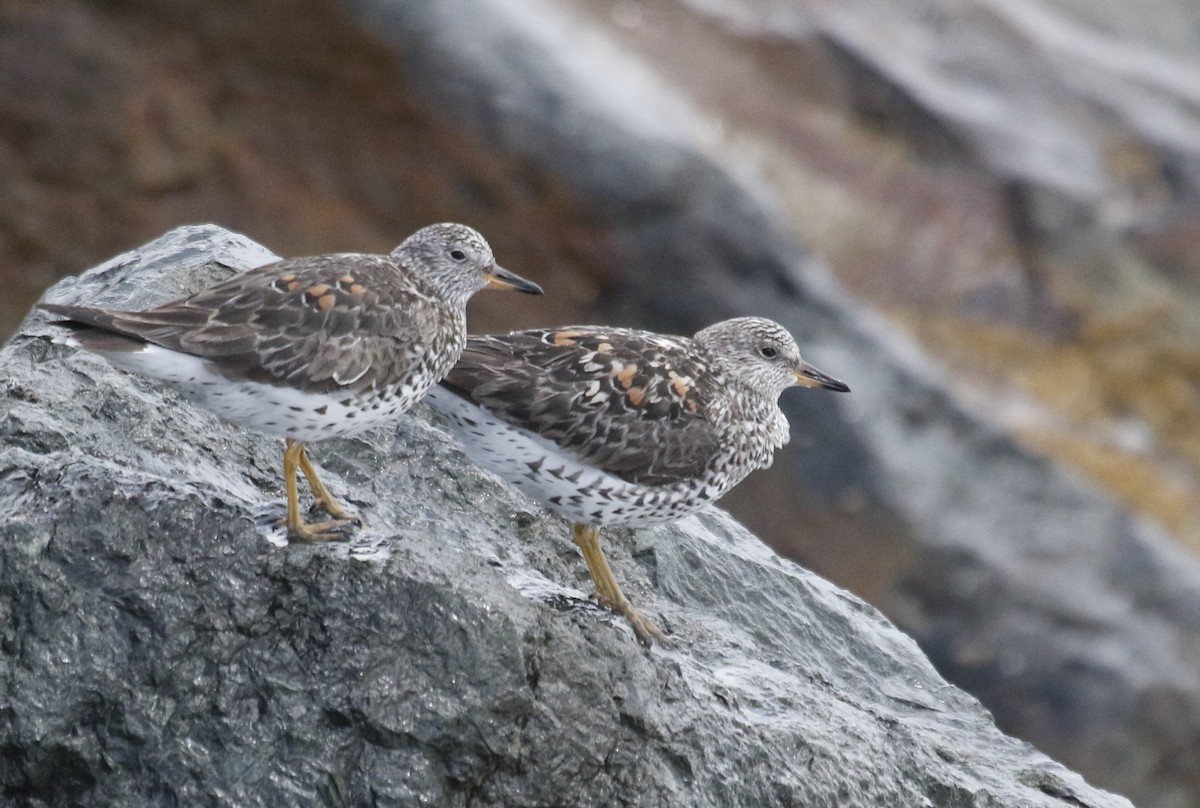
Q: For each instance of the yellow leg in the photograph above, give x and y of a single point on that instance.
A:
(297, 528)
(608, 591)
(325, 500)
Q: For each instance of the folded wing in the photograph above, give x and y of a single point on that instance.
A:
(623, 401)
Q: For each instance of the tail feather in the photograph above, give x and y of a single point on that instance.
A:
(94, 329)
(84, 315)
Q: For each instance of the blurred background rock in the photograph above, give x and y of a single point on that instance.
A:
(981, 213)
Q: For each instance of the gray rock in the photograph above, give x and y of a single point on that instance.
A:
(1074, 621)
(160, 647)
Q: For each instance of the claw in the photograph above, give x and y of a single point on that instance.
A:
(642, 626)
(329, 530)
(338, 512)
(333, 530)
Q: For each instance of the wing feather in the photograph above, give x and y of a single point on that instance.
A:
(624, 401)
(323, 323)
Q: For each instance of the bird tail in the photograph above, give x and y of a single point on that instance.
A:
(93, 329)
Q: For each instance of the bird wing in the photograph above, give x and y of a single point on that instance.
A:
(321, 323)
(627, 402)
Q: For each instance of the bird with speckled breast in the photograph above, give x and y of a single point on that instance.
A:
(615, 427)
(309, 348)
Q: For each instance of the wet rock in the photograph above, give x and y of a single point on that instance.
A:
(1073, 619)
(161, 645)
(645, 160)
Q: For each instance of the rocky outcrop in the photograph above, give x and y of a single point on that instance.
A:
(966, 166)
(160, 645)
(1072, 619)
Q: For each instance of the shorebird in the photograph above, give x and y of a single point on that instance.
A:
(609, 426)
(309, 348)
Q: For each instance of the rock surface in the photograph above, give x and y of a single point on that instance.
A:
(1074, 620)
(648, 162)
(160, 646)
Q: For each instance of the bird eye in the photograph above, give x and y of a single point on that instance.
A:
(458, 255)
(768, 352)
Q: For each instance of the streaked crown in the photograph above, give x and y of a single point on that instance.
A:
(762, 355)
(759, 353)
(453, 258)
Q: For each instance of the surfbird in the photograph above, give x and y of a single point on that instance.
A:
(610, 427)
(309, 348)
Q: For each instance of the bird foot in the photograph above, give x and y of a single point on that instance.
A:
(642, 626)
(337, 511)
(332, 530)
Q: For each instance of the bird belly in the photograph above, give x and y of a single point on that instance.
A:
(557, 480)
(285, 412)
